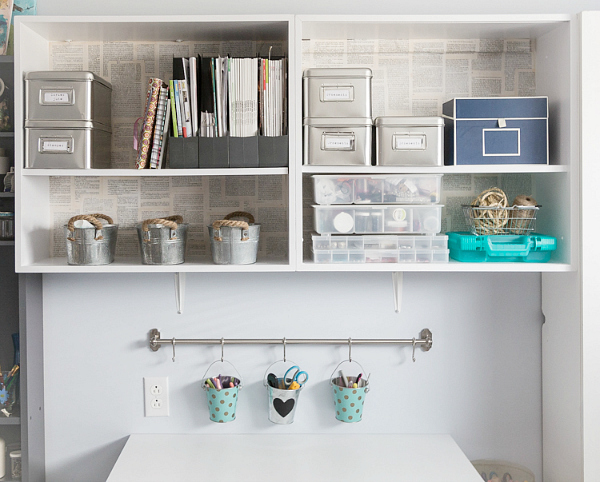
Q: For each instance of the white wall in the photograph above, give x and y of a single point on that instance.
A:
(481, 381)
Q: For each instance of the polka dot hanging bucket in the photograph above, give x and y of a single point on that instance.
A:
(284, 390)
(350, 388)
(222, 392)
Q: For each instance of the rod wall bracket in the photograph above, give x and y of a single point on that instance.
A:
(179, 291)
(398, 282)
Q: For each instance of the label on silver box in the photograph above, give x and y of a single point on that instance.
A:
(337, 93)
(337, 142)
(403, 142)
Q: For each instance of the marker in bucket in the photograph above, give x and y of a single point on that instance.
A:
(344, 378)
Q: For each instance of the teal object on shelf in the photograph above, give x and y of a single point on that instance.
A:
(470, 248)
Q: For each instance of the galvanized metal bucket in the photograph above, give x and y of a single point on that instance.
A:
(234, 242)
(282, 402)
(349, 399)
(91, 246)
(222, 402)
(163, 240)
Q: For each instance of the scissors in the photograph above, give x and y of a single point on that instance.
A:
(293, 383)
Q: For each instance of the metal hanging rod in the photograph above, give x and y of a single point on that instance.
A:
(425, 340)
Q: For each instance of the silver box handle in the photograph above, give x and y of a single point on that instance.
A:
(338, 141)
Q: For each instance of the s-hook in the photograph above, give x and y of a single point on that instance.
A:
(222, 348)
(173, 341)
(284, 360)
(350, 350)
(414, 344)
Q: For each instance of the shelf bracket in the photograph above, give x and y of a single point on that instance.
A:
(398, 281)
(179, 291)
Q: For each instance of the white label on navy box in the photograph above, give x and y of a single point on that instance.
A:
(501, 142)
(404, 142)
(337, 93)
(55, 145)
(56, 97)
(333, 141)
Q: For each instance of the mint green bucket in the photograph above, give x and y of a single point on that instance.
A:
(222, 403)
(349, 401)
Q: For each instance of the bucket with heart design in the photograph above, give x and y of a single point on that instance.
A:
(282, 401)
(222, 393)
(349, 391)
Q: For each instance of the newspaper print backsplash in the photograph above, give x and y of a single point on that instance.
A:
(415, 77)
(199, 199)
(410, 77)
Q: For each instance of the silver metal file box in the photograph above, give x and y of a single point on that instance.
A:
(339, 92)
(337, 142)
(409, 141)
(67, 145)
(67, 96)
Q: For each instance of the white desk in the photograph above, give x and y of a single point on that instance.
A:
(291, 458)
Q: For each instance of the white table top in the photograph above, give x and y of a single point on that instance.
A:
(291, 458)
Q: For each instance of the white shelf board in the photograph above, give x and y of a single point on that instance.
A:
(260, 171)
(427, 26)
(491, 169)
(159, 28)
(451, 266)
(133, 265)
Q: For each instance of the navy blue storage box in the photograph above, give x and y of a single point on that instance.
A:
(496, 130)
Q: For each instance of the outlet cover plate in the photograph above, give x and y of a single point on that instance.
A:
(156, 396)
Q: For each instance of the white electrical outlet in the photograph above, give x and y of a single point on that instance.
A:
(156, 396)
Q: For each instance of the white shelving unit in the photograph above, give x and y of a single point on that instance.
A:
(555, 185)
(35, 34)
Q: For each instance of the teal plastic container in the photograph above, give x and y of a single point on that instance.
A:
(470, 248)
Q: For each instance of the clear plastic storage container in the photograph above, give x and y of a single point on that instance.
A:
(378, 219)
(330, 249)
(392, 188)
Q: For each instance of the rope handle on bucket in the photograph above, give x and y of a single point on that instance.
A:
(241, 214)
(168, 221)
(227, 221)
(362, 370)
(92, 219)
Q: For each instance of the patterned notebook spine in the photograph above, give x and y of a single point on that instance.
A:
(148, 127)
(159, 126)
